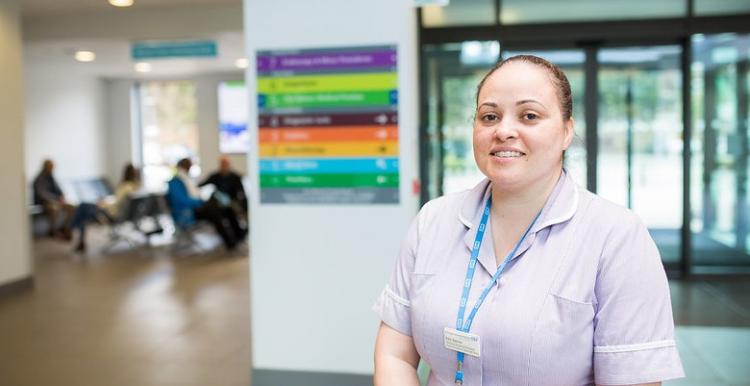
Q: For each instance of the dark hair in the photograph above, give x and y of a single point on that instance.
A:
(558, 79)
(130, 173)
(184, 163)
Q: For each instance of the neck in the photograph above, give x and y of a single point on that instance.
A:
(521, 205)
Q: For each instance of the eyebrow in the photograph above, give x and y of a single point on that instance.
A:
(521, 102)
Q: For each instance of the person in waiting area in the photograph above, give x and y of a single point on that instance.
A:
(107, 208)
(526, 279)
(228, 182)
(48, 194)
(186, 206)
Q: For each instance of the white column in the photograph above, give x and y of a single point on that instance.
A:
(316, 269)
(15, 258)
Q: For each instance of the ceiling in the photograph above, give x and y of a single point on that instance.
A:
(113, 58)
(48, 7)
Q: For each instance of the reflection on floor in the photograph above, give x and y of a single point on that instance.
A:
(146, 318)
(713, 331)
(139, 318)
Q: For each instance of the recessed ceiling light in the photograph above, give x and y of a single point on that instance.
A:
(85, 56)
(121, 3)
(143, 67)
(241, 63)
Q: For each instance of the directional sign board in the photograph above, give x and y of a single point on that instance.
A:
(328, 126)
(173, 49)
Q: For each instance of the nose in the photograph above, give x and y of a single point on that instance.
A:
(505, 130)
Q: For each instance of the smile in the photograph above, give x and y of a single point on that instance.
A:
(508, 154)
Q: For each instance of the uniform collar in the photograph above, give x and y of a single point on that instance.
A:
(560, 207)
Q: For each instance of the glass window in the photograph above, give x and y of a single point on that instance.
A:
(721, 7)
(554, 11)
(454, 71)
(640, 138)
(169, 130)
(719, 162)
(459, 12)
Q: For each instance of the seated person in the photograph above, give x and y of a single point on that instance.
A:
(108, 207)
(48, 194)
(186, 205)
(229, 182)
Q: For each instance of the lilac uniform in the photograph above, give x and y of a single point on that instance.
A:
(584, 299)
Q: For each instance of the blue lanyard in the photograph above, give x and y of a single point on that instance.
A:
(465, 326)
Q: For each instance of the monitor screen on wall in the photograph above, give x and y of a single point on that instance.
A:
(233, 135)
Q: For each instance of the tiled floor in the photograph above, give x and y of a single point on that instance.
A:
(148, 319)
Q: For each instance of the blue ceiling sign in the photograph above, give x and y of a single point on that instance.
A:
(173, 49)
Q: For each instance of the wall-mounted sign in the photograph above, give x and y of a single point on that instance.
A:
(328, 126)
(233, 135)
(173, 49)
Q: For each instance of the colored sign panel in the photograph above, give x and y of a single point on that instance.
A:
(328, 126)
(173, 49)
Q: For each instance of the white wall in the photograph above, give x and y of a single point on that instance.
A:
(15, 258)
(316, 270)
(64, 122)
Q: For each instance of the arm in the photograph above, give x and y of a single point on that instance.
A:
(240, 189)
(179, 195)
(633, 325)
(209, 180)
(396, 358)
(43, 190)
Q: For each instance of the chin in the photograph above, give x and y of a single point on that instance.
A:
(506, 179)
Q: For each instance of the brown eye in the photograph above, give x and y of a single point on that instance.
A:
(530, 116)
(489, 118)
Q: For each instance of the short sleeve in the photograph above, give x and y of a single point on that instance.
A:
(633, 327)
(393, 305)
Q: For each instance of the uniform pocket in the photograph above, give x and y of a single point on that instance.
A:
(565, 329)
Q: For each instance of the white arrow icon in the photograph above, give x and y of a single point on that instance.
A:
(381, 119)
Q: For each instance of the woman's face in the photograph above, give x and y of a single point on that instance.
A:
(519, 131)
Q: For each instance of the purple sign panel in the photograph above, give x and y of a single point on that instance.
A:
(327, 61)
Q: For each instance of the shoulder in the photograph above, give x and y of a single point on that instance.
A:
(175, 182)
(444, 207)
(607, 216)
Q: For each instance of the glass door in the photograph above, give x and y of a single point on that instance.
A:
(639, 163)
(719, 191)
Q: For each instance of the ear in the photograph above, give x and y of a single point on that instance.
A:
(568, 127)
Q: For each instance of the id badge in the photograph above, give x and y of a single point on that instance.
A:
(460, 341)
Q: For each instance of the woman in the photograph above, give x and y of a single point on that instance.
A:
(526, 279)
(108, 207)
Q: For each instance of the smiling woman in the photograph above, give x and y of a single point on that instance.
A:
(568, 290)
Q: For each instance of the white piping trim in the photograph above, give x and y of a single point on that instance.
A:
(396, 298)
(634, 347)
